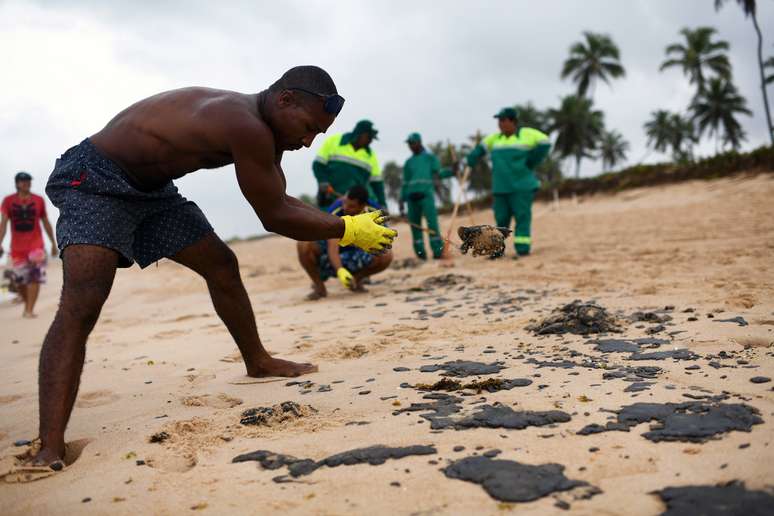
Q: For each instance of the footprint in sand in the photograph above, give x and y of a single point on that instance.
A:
(182, 442)
(14, 462)
(171, 334)
(171, 462)
(200, 378)
(232, 358)
(10, 398)
(187, 317)
(96, 398)
(220, 400)
(748, 342)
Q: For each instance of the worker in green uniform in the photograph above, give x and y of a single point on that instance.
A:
(515, 153)
(345, 160)
(418, 191)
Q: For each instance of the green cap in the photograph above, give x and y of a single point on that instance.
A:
(507, 112)
(414, 137)
(365, 126)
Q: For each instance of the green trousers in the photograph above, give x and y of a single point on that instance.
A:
(416, 210)
(516, 205)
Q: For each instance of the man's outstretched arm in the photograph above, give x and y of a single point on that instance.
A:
(263, 186)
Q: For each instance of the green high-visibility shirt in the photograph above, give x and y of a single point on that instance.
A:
(341, 166)
(418, 174)
(514, 159)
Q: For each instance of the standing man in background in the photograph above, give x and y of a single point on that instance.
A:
(25, 211)
(418, 190)
(346, 160)
(515, 153)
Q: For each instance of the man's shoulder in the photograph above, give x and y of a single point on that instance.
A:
(8, 199)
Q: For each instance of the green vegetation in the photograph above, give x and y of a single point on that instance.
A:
(595, 58)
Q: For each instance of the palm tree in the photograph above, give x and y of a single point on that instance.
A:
(596, 58)
(715, 110)
(699, 55)
(667, 131)
(769, 63)
(530, 116)
(612, 149)
(659, 130)
(578, 126)
(750, 9)
(682, 137)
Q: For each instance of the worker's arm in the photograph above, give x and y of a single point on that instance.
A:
(444, 172)
(481, 149)
(345, 276)
(333, 253)
(476, 154)
(3, 228)
(540, 149)
(50, 233)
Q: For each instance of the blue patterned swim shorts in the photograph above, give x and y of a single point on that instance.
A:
(352, 258)
(99, 205)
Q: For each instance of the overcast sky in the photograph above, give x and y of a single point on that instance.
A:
(441, 68)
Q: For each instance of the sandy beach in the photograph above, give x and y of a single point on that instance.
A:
(696, 260)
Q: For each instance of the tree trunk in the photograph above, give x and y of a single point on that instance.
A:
(577, 166)
(763, 77)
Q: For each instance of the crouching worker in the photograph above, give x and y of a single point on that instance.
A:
(324, 259)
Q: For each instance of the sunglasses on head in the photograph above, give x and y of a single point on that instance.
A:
(332, 104)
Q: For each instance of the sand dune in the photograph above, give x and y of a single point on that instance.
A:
(695, 259)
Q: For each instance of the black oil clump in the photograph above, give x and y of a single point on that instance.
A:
(439, 412)
(373, 455)
(462, 368)
(694, 421)
(722, 499)
(578, 317)
(511, 481)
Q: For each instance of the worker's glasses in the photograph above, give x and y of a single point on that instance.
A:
(332, 104)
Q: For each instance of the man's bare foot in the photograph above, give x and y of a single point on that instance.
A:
(49, 457)
(29, 315)
(279, 367)
(318, 292)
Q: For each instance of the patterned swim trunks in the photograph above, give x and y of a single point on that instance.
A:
(31, 270)
(99, 205)
(352, 258)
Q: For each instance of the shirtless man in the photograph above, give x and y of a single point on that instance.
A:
(118, 204)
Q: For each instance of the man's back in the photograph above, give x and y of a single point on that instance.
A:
(171, 134)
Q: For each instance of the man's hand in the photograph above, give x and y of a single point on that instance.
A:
(367, 232)
(54, 250)
(346, 278)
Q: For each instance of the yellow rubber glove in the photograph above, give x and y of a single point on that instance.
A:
(345, 277)
(366, 232)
